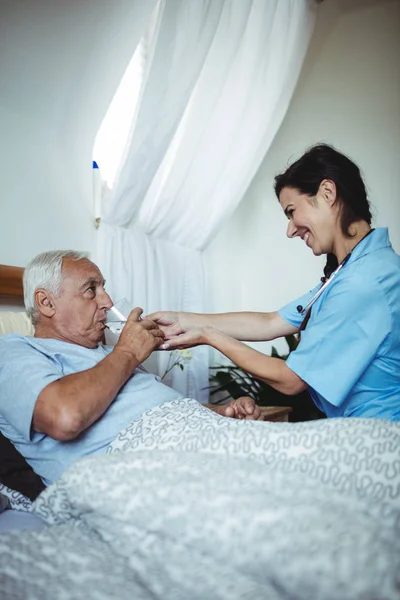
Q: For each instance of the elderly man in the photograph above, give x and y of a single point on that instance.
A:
(63, 394)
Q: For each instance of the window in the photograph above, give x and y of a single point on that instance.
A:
(113, 135)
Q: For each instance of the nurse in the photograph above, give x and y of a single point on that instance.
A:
(348, 356)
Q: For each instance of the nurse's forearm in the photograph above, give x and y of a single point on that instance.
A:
(249, 326)
(273, 371)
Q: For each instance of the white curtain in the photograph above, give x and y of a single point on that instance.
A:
(219, 80)
(156, 274)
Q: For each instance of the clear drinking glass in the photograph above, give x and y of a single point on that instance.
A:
(117, 315)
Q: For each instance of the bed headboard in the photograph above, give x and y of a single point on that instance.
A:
(11, 283)
(13, 318)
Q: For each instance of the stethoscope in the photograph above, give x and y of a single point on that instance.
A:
(323, 287)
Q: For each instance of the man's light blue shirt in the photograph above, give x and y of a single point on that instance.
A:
(349, 353)
(28, 365)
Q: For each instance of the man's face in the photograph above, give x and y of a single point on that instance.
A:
(80, 310)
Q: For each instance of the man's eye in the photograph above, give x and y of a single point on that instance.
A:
(92, 288)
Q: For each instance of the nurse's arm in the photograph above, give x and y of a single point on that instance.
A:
(245, 326)
(273, 371)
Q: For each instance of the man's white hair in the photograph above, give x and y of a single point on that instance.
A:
(44, 271)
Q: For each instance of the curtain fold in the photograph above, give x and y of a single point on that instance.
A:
(234, 114)
(219, 79)
(177, 52)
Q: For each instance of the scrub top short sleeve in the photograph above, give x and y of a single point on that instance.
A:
(290, 313)
(344, 334)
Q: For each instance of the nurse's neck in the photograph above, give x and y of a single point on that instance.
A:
(342, 245)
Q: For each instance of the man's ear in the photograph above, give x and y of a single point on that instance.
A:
(44, 302)
(327, 190)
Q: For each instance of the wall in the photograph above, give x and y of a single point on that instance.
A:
(60, 63)
(348, 95)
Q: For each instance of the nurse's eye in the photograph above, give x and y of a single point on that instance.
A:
(289, 213)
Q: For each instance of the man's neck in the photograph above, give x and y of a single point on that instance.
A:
(43, 331)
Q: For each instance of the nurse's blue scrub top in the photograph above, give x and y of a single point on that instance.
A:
(349, 353)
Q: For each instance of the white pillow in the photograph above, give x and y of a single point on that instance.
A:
(15, 322)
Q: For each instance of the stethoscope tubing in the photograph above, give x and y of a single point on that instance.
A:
(323, 287)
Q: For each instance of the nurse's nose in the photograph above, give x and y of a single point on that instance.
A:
(291, 230)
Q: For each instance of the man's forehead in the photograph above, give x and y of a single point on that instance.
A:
(80, 270)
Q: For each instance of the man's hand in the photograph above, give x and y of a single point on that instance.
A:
(139, 337)
(241, 408)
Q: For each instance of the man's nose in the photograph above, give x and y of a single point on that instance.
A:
(105, 300)
(291, 230)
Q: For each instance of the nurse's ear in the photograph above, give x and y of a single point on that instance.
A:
(327, 190)
(44, 302)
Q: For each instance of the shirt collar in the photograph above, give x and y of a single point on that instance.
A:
(376, 240)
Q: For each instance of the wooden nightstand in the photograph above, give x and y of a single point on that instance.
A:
(276, 413)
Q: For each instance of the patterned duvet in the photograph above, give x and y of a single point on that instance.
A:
(188, 505)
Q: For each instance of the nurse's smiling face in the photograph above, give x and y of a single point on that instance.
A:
(314, 219)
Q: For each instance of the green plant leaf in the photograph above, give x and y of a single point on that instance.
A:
(292, 342)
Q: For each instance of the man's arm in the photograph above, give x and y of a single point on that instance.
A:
(68, 406)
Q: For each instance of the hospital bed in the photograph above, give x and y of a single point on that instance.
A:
(189, 505)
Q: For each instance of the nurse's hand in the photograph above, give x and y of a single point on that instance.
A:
(180, 329)
(172, 323)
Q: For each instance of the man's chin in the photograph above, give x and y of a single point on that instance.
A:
(91, 345)
(98, 336)
(93, 341)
